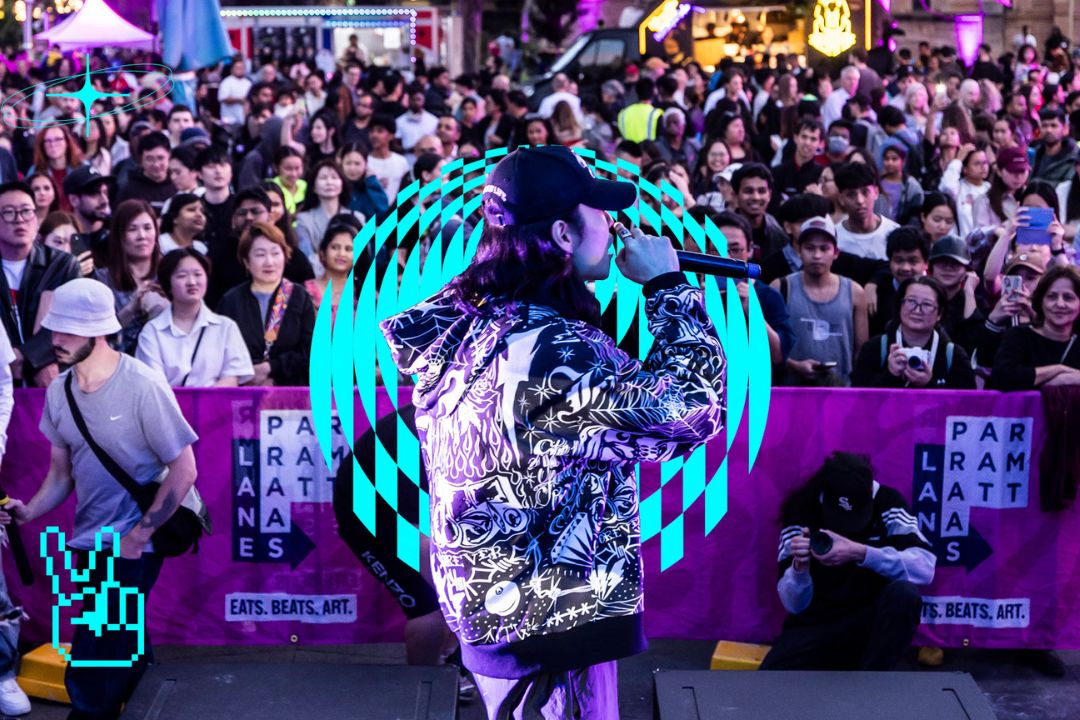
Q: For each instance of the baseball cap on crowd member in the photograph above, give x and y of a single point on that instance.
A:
(823, 226)
(82, 307)
(1028, 260)
(139, 126)
(847, 493)
(1013, 159)
(85, 179)
(534, 184)
(729, 171)
(951, 247)
(194, 135)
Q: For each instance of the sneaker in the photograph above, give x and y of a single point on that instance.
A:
(13, 700)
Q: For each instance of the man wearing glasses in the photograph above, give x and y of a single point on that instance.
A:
(31, 273)
(252, 206)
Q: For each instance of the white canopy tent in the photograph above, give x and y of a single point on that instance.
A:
(96, 25)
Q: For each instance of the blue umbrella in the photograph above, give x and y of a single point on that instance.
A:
(192, 35)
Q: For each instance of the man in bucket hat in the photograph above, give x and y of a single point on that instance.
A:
(851, 558)
(132, 414)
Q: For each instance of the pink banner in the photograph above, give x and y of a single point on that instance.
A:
(275, 572)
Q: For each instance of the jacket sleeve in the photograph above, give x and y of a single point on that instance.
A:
(869, 370)
(291, 368)
(377, 195)
(575, 393)
(1011, 369)
(961, 374)
(38, 348)
(904, 553)
(796, 589)
(950, 180)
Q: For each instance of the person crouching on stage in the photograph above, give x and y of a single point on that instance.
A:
(531, 419)
(851, 560)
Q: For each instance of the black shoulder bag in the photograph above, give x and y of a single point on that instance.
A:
(180, 532)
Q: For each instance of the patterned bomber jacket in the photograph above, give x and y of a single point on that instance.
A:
(530, 425)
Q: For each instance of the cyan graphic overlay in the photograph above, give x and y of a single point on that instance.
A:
(344, 357)
(87, 95)
(98, 618)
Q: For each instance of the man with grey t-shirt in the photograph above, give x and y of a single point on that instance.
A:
(132, 414)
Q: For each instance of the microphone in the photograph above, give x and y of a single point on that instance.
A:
(716, 265)
(705, 264)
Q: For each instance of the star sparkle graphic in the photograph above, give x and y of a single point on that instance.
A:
(87, 94)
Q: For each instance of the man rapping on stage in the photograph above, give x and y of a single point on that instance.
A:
(531, 421)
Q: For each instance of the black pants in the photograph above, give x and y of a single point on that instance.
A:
(97, 693)
(874, 638)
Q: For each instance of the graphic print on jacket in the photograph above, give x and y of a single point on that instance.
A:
(530, 426)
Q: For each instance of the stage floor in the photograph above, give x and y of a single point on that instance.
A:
(1015, 691)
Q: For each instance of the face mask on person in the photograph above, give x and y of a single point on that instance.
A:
(838, 145)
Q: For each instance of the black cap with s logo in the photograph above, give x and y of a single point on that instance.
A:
(535, 184)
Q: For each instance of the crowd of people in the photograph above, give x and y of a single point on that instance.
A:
(917, 225)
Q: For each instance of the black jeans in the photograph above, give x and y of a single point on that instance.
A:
(873, 638)
(97, 693)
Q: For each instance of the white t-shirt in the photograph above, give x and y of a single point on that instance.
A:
(233, 87)
(389, 171)
(13, 272)
(167, 244)
(7, 392)
(867, 245)
(410, 127)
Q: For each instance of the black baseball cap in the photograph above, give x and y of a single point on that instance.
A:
(534, 184)
(847, 494)
(84, 179)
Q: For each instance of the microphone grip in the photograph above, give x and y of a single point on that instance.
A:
(716, 265)
(18, 549)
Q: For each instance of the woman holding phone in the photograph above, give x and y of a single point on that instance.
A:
(1045, 352)
(1034, 230)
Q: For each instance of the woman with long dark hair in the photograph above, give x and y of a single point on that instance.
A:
(56, 153)
(712, 159)
(297, 266)
(328, 196)
(324, 133)
(183, 224)
(46, 195)
(131, 274)
(1036, 194)
(1045, 352)
(366, 193)
(1011, 173)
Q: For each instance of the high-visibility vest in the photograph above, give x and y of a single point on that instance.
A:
(639, 122)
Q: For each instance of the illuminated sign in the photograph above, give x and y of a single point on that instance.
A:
(832, 31)
(664, 18)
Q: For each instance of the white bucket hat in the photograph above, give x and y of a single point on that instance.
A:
(82, 307)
